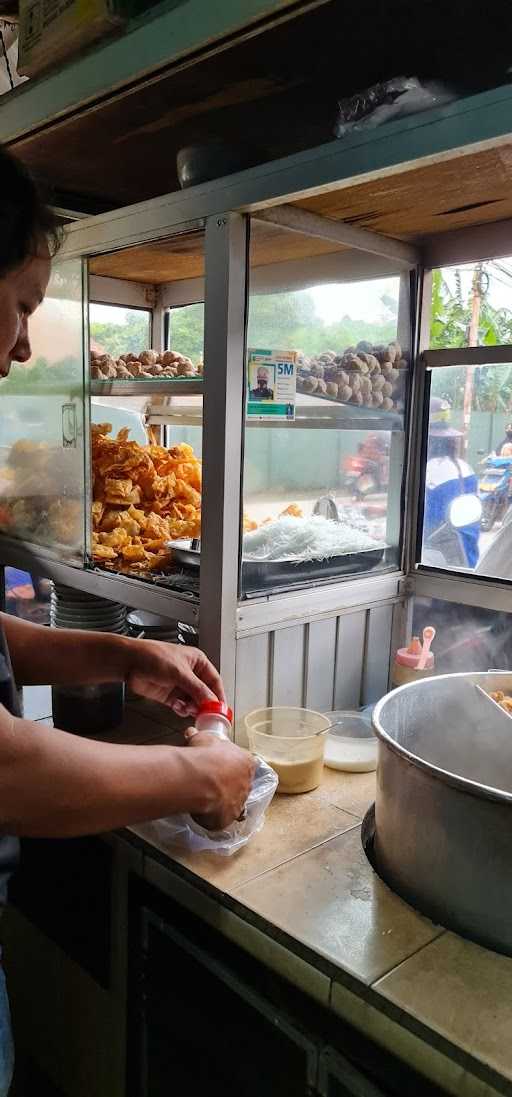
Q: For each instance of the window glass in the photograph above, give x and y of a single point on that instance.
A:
(116, 330)
(186, 331)
(42, 444)
(326, 388)
(471, 305)
(468, 475)
(467, 638)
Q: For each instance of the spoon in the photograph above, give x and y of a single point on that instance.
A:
(428, 635)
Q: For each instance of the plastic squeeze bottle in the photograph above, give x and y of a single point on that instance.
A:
(215, 717)
(405, 665)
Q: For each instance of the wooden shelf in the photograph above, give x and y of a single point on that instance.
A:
(178, 387)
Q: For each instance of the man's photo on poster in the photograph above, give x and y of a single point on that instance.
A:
(262, 382)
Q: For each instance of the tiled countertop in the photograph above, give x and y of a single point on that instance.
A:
(303, 899)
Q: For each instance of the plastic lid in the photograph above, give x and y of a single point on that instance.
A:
(215, 708)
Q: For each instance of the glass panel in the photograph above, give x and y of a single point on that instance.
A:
(27, 596)
(116, 330)
(42, 450)
(471, 305)
(120, 338)
(186, 332)
(467, 638)
(468, 475)
(147, 466)
(326, 388)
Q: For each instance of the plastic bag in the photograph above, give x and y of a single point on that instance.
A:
(389, 100)
(185, 832)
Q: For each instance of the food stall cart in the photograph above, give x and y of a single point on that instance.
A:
(294, 613)
(312, 622)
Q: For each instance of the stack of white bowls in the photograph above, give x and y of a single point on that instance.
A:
(77, 610)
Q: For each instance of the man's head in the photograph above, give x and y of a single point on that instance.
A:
(443, 439)
(29, 237)
(262, 377)
(508, 432)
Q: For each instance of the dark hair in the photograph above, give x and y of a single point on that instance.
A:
(25, 218)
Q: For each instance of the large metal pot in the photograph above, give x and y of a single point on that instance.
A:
(443, 808)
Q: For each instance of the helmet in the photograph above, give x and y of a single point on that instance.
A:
(508, 429)
(440, 416)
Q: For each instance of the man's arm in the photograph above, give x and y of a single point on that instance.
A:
(53, 784)
(177, 676)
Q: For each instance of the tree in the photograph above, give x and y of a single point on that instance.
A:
(130, 337)
(450, 327)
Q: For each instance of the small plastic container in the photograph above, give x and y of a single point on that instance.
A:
(405, 665)
(351, 744)
(215, 717)
(292, 741)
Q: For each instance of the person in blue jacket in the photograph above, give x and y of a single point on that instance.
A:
(447, 477)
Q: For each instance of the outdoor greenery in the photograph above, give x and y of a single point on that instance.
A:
(63, 379)
(130, 337)
(450, 327)
(285, 321)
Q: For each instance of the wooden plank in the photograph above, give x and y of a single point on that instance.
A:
(181, 257)
(320, 664)
(377, 654)
(251, 679)
(287, 673)
(349, 659)
(471, 189)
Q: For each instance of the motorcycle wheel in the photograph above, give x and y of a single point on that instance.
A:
(488, 518)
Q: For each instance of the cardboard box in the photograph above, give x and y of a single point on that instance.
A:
(51, 31)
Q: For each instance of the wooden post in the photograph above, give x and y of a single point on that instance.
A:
(476, 301)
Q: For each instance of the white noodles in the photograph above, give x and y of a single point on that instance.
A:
(314, 538)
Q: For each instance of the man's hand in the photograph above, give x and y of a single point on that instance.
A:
(226, 774)
(173, 674)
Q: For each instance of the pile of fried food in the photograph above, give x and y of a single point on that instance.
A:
(249, 525)
(148, 364)
(143, 497)
(502, 700)
(368, 375)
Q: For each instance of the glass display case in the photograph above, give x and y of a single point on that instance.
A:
(146, 474)
(326, 385)
(239, 433)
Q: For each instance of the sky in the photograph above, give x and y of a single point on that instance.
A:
(500, 281)
(359, 300)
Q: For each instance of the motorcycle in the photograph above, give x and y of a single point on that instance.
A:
(495, 490)
(444, 546)
(367, 471)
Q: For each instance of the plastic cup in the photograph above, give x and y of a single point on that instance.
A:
(292, 741)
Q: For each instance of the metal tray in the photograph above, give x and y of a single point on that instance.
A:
(262, 574)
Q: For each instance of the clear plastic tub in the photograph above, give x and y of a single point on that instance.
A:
(351, 744)
(292, 741)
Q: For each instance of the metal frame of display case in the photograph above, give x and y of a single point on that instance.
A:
(480, 122)
(422, 581)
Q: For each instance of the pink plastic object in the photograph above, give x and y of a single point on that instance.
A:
(428, 636)
(410, 657)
